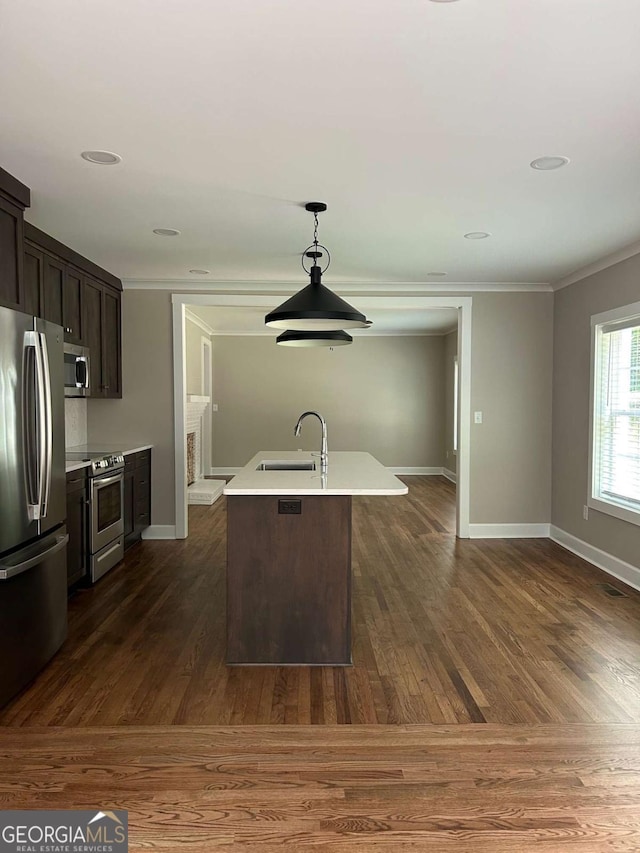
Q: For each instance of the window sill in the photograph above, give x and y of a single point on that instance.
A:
(615, 510)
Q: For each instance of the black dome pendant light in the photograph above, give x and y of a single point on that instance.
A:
(315, 308)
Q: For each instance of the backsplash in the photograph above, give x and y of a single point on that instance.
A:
(75, 421)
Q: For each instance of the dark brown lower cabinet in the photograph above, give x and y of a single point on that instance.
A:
(289, 579)
(129, 506)
(77, 527)
(137, 495)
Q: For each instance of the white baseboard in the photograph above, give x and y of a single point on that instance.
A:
(450, 475)
(159, 531)
(602, 559)
(224, 472)
(416, 471)
(509, 531)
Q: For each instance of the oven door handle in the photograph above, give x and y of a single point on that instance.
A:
(98, 482)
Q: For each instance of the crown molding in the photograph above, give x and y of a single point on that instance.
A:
(597, 266)
(198, 321)
(392, 288)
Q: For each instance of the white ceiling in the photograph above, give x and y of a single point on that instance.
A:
(229, 320)
(414, 120)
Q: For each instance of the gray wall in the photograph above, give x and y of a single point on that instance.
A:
(450, 353)
(384, 395)
(144, 415)
(614, 287)
(511, 375)
(511, 384)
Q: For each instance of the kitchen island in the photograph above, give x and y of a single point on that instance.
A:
(289, 555)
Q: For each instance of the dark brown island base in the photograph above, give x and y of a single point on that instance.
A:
(289, 556)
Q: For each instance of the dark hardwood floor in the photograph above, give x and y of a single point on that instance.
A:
(526, 671)
(445, 631)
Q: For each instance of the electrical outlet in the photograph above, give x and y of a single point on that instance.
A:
(477, 417)
(214, 407)
(585, 512)
(289, 507)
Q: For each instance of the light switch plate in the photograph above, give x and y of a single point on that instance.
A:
(477, 417)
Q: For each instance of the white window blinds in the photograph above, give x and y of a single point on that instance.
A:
(616, 414)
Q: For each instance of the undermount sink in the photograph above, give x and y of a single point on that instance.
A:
(286, 465)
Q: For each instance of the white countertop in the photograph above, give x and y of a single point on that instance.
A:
(348, 473)
(75, 466)
(102, 447)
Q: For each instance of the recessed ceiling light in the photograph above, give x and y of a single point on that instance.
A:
(477, 235)
(200, 272)
(547, 164)
(166, 232)
(102, 158)
(437, 274)
(444, 1)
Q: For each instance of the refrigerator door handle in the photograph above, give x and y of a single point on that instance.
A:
(48, 425)
(8, 571)
(35, 430)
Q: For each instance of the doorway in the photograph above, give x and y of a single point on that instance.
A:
(367, 301)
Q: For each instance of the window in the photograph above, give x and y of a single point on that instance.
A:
(615, 425)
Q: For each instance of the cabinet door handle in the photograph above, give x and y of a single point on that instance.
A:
(68, 330)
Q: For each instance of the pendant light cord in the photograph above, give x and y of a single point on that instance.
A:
(315, 236)
(316, 246)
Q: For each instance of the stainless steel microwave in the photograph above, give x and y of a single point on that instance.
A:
(76, 371)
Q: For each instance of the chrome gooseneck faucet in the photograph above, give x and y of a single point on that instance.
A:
(323, 451)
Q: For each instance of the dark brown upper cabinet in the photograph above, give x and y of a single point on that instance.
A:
(111, 343)
(92, 323)
(14, 197)
(43, 277)
(81, 297)
(102, 324)
(54, 271)
(33, 281)
(72, 305)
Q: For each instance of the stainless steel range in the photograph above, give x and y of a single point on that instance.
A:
(106, 510)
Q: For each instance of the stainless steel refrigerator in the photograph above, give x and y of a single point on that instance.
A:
(33, 536)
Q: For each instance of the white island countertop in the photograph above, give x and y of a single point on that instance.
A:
(348, 473)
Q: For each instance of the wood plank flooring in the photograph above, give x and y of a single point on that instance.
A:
(482, 788)
(445, 632)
